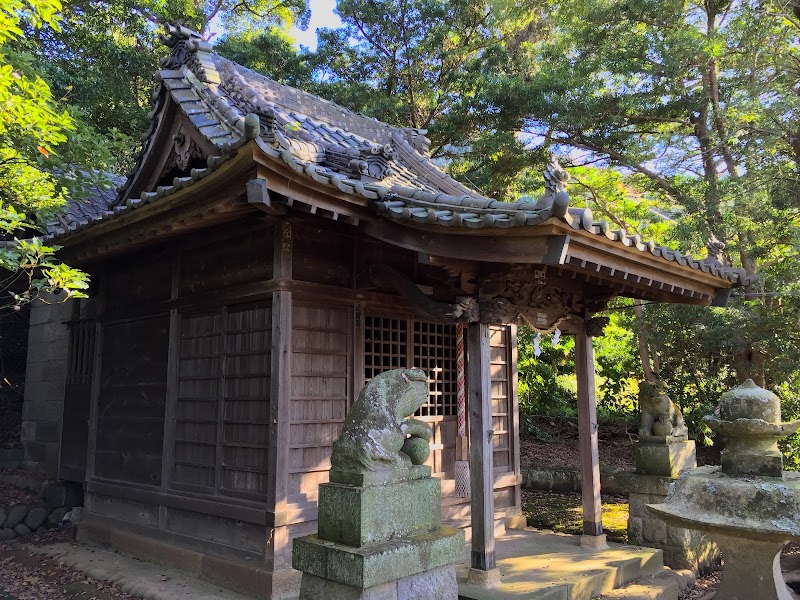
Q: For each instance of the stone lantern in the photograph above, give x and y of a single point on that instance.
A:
(749, 506)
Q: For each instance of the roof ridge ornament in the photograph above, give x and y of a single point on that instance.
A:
(370, 161)
(189, 49)
(178, 39)
(555, 197)
(715, 248)
(418, 140)
(555, 177)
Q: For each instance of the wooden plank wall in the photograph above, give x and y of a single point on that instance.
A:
(222, 405)
(504, 417)
(501, 404)
(186, 453)
(320, 392)
(130, 422)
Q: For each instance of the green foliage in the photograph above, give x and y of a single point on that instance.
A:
(46, 153)
(619, 370)
(32, 269)
(270, 52)
(428, 64)
(103, 55)
(546, 383)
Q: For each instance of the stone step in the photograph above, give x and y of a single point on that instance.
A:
(539, 565)
(666, 585)
(465, 524)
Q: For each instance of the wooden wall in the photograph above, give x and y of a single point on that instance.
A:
(183, 397)
(321, 392)
(222, 404)
(184, 406)
(133, 389)
(75, 420)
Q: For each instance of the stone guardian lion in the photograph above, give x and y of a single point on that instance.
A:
(375, 433)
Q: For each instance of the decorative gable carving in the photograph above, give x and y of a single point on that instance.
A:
(184, 153)
(365, 162)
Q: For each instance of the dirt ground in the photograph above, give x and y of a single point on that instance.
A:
(9, 496)
(26, 576)
(554, 443)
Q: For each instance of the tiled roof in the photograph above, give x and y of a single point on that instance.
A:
(231, 105)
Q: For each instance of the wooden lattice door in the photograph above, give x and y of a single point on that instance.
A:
(77, 391)
(392, 342)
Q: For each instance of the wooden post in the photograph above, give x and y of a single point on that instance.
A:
(277, 546)
(484, 570)
(168, 453)
(513, 398)
(587, 431)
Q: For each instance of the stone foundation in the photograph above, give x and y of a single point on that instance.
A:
(439, 583)
(22, 520)
(45, 377)
(683, 548)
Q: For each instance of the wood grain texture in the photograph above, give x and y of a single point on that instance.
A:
(587, 430)
(481, 446)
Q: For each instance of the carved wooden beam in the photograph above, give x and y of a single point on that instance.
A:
(386, 277)
(491, 310)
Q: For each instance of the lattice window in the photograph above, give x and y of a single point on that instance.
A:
(81, 352)
(385, 345)
(435, 353)
(433, 349)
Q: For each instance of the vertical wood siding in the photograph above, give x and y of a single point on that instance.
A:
(501, 399)
(321, 358)
(222, 411)
(75, 423)
(130, 424)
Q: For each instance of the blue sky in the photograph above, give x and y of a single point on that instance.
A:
(322, 15)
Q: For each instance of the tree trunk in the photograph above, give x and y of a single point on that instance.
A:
(650, 373)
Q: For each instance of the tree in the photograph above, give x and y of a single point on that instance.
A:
(425, 64)
(44, 156)
(697, 103)
(272, 53)
(103, 54)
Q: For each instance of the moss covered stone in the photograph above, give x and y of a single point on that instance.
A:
(359, 516)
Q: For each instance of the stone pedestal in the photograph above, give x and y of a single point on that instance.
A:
(683, 548)
(665, 457)
(657, 465)
(748, 566)
(380, 541)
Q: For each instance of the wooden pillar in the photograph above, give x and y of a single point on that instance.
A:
(173, 360)
(484, 569)
(278, 548)
(587, 430)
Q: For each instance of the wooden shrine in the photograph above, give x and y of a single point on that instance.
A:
(269, 254)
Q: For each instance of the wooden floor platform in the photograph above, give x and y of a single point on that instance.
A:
(542, 565)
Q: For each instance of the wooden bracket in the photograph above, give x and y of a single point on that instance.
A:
(258, 195)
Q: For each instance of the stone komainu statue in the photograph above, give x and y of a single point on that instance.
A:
(374, 435)
(659, 416)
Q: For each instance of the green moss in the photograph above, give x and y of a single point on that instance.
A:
(562, 512)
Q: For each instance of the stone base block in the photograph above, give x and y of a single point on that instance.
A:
(594, 542)
(435, 584)
(370, 478)
(484, 579)
(378, 563)
(683, 548)
(667, 460)
(765, 464)
(357, 516)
